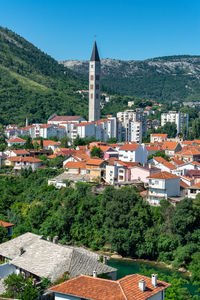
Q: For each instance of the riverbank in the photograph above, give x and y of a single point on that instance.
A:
(159, 264)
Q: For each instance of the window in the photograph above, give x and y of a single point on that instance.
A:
(97, 86)
(92, 66)
(91, 96)
(97, 96)
(91, 86)
(97, 77)
(92, 77)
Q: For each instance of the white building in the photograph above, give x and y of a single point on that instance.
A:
(136, 132)
(194, 190)
(137, 115)
(161, 186)
(179, 118)
(85, 129)
(133, 153)
(16, 141)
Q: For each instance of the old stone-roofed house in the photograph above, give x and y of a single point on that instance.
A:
(35, 256)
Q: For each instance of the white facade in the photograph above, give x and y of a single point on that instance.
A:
(137, 115)
(179, 118)
(86, 130)
(137, 155)
(111, 174)
(162, 189)
(136, 132)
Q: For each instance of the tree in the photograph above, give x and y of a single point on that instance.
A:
(36, 145)
(96, 151)
(41, 144)
(159, 153)
(113, 140)
(16, 286)
(3, 234)
(28, 144)
(64, 141)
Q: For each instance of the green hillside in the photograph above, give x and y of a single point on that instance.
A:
(34, 85)
(165, 79)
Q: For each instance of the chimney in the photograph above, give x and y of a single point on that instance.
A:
(154, 280)
(21, 251)
(105, 260)
(49, 239)
(142, 285)
(55, 239)
(95, 274)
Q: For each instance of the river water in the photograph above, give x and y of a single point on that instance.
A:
(127, 267)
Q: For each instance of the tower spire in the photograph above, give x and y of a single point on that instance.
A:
(95, 53)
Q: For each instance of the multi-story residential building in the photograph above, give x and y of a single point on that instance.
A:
(179, 118)
(127, 116)
(161, 186)
(136, 132)
(85, 129)
(133, 153)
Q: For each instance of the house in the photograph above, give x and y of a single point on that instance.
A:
(157, 160)
(188, 180)
(8, 226)
(192, 154)
(188, 166)
(168, 167)
(16, 141)
(194, 190)
(34, 256)
(143, 172)
(20, 152)
(161, 186)
(48, 144)
(171, 148)
(137, 287)
(20, 162)
(63, 179)
(75, 167)
(133, 153)
(158, 137)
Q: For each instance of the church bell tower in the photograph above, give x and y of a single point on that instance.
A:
(94, 85)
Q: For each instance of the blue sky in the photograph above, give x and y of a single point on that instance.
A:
(128, 29)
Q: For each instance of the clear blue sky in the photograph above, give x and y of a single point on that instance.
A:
(128, 29)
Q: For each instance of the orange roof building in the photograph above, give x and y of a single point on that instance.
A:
(131, 287)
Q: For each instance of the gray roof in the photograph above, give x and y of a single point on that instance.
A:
(95, 54)
(46, 259)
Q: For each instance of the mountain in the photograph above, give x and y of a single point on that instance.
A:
(163, 79)
(34, 85)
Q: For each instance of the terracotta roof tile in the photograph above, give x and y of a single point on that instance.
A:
(162, 135)
(195, 186)
(16, 140)
(65, 118)
(20, 152)
(24, 159)
(169, 145)
(169, 165)
(95, 162)
(130, 147)
(6, 224)
(75, 165)
(163, 175)
(126, 288)
(159, 159)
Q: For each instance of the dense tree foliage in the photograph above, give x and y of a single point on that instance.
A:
(116, 217)
(96, 151)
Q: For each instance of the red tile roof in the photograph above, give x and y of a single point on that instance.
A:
(129, 147)
(24, 159)
(128, 164)
(169, 145)
(84, 124)
(94, 162)
(178, 162)
(183, 184)
(20, 152)
(75, 165)
(168, 165)
(16, 140)
(159, 159)
(126, 288)
(163, 175)
(47, 143)
(195, 186)
(6, 224)
(64, 118)
(162, 135)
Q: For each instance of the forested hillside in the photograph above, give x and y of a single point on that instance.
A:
(163, 79)
(118, 220)
(34, 85)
